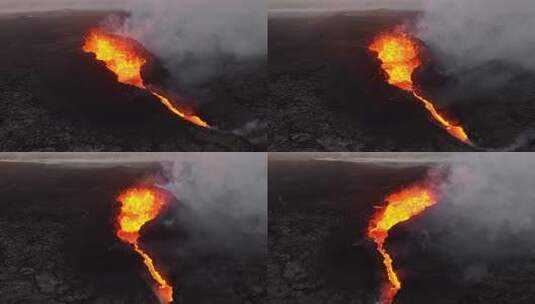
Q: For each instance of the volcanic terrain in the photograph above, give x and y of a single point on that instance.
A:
(328, 92)
(319, 252)
(58, 243)
(56, 97)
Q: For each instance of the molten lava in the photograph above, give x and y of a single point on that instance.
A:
(400, 207)
(400, 57)
(122, 58)
(139, 206)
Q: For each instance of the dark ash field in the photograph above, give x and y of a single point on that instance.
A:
(327, 92)
(55, 97)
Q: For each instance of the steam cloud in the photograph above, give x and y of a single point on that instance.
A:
(470, 34)
(223, 200)
(486, 210)
(196, 37)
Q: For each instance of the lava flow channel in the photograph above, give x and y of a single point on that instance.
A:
(401, 207)
(400, 57)
(139, 206)
(121, 58)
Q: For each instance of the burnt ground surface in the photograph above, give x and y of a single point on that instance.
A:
(54, 97)
(327, 93)
(318, 253)
(58, 243)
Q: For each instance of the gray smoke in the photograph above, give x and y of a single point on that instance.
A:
(223, 200)
(194, 38)
(471, 34)
(486, 210)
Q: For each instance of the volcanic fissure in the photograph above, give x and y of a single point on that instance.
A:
(400, 207)
(125, 61)
(138, 207)
(399, 54)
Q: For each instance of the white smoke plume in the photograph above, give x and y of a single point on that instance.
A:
(223, 200)
(471, 33)
(193, 37)
(486, 211)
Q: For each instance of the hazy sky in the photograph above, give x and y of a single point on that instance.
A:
(335, 4)
(38, 5)
(95, 156)
(23, 5)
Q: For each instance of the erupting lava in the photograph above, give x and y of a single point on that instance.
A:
(400, 57)
(401, 207)
(139, 206)
(122, 59)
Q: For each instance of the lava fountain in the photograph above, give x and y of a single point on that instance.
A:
(400, 57)
(400, 207)
(122, 58)
(138, 207)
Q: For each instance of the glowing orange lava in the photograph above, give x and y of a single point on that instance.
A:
(400, 207)
(139, 206)
(400, 57)
(122, 58)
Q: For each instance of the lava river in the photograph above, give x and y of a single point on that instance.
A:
(400, 57)
(139, 206)
(400, 207)
(122, 58)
